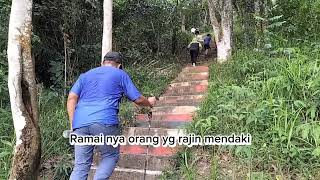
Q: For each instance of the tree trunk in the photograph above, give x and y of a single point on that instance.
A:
(107, 27)
(22, 90)
(183, 22)
(206, 17)
(221, 17)
(175, 28)
(249, 23)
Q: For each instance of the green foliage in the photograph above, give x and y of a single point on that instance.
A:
(77, 27)
(6, 142)
(3, 79)
(302, 18)
(276, 99)
(185, 167)
(4, 19)
(53, 121)
(153, 76)
(57, 72)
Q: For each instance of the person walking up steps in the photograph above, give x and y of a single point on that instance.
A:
(206, 43)
(198, 36)
(194, 49)
(93, 106)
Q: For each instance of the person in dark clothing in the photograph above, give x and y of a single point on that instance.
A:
(206, 43)
(194, 48)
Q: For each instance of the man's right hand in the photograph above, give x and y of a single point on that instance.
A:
(143, 101)
(152, 100)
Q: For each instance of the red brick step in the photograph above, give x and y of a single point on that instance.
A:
(151, 161)
(196, 69)
(134, 174)
(139, 131)
(162, 124)
(173, 110)
(186, 90)
(173, 117)
(179, 98)
(190, 83)
(195, 102)
(191, 77)
(129, 174)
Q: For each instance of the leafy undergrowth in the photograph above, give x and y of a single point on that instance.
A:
(274, 96)
(151, 79)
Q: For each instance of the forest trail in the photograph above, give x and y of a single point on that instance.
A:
(174, 109)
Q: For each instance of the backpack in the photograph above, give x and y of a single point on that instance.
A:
(194, 46)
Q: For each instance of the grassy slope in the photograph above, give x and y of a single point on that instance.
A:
(274, 99)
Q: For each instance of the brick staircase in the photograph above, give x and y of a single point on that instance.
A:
(174, 109)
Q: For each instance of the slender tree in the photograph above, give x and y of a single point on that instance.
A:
(183, 22)
(221, 17)
(107, 27)
(22, 89)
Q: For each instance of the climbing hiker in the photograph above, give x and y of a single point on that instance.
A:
(198, 36)
(93, 106)
(206, 43)
(194, 49)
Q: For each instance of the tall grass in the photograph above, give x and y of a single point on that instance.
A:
(276, 99)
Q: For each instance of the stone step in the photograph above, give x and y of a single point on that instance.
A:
(142, 161)
(136, 161)
(141, 131)
(131, 158)
(196, 69)
(193, 73)
(190, 83)
(178, 103)
(129, 174)
(134, 174)
(141, 117)
(183, 117)
(150, 150)
(162, 124)
(186, 90)
(191, 77)
(145, 131)
(179, 98)
(133, 149)
(127, 152)
(173, 110)
(142, 120)
(135, 131)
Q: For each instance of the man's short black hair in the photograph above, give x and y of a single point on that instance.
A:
(208, 34)
(113, 56)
